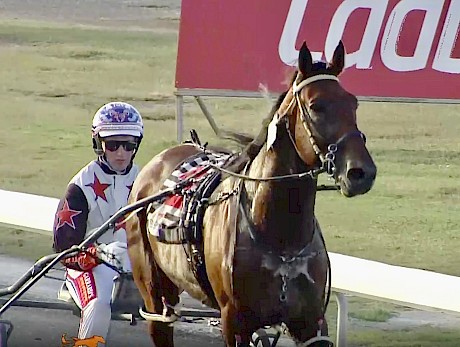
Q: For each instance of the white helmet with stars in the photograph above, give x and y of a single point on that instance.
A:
(116, 118)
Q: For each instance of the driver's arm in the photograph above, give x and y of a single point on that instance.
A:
(70, 228)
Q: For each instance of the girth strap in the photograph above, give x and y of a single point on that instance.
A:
(194, 231)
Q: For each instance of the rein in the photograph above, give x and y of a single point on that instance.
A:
(312, 174)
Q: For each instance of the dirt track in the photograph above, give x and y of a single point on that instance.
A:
(44, 327)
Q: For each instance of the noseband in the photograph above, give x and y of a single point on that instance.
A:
(328, 159)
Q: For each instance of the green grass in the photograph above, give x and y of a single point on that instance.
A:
(368, 327)
(54, 77)
(415, 337)
(24, 244)
(378, 315)
(411, 216)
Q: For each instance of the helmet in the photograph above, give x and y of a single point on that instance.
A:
(116, 118)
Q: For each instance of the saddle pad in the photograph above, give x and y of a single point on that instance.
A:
(163, 219)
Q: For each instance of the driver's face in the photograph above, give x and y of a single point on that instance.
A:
(119, 150)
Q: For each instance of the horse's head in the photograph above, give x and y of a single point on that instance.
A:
(321, 118)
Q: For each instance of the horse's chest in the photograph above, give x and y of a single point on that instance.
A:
(291, 278)
(277, 279)
(288, 268)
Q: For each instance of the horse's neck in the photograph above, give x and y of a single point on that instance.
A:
(282, 212)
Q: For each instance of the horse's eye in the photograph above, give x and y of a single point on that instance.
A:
(318, 106)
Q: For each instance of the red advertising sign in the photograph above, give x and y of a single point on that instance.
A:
(395, 48)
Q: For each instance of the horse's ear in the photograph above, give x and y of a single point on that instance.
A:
(338, 59)
(305, 60)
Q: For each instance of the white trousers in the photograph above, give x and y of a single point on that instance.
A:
(92, 290)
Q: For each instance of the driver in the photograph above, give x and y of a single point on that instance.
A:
(92, 196)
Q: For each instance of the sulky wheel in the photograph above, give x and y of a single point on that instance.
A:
(261, 339)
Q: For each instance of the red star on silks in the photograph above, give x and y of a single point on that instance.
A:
(98, 188)
(65, 216)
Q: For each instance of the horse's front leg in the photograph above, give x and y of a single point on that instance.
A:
(161, 334)
(234, 327)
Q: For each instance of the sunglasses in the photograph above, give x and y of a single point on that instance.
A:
(112, 146)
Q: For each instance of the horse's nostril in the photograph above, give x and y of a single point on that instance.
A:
(355, 174)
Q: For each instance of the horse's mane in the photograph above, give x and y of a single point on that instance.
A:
(252, 149)
(317, 67)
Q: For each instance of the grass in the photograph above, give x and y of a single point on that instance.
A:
(55, 76)
(378, 315)
(368, 327)
(419, 337)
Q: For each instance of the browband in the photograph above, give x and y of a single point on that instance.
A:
(298, 87)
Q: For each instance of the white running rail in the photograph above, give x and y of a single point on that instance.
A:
(31, 212)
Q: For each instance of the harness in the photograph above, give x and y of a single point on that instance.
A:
(197, 201)
(182, 222)
(193, 213)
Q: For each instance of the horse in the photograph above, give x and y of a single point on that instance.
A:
(265, 258)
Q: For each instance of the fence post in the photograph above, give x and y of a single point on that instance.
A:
(342, 319)
(179, 117)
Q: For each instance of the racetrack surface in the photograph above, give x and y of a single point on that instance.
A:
(44, 327)
(35, 327)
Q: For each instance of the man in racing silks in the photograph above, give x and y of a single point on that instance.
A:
(92, 196)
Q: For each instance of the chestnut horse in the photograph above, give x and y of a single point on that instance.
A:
(264, 253)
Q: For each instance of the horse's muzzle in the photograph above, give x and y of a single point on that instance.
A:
(357, 179)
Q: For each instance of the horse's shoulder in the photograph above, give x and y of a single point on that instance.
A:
(169, 158)
(159, 167)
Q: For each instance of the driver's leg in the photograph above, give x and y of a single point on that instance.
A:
(92, 291)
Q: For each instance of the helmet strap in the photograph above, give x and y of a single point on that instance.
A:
(97, 145)
(138, 140)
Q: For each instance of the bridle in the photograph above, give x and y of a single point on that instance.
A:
(327, 160)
